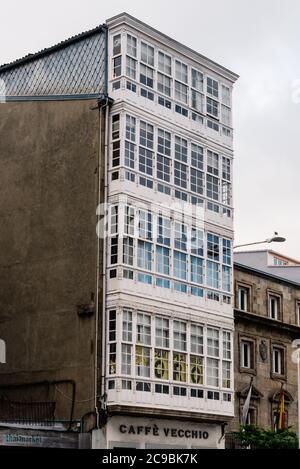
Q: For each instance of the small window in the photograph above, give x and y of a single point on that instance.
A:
(243, 298)
(117, 45)
(117, 66)
(247, 354)
(298, 313)
(274, 307)
(278, 361)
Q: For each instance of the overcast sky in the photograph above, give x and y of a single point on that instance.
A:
(258, 39)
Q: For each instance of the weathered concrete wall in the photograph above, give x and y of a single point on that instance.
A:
(48, 190)
(280, 333)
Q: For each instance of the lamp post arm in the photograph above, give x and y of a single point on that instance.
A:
(251, 244)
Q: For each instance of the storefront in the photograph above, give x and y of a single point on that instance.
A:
(150, 433)
(30, 438)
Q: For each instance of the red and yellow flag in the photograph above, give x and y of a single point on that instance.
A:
(281, 417)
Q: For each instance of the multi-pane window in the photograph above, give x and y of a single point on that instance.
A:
(161, 364)
(225, 95)
(130, 128)
(226, 345)
(225, 115)
(227, 251)
(146, 135)
(117, 66)
(212, 163)
(213, 247)
(212, 87)
(157, 354)
(196, 270)
(226, 278)
(226, 374)
(163, 168)
(164, 231)
(112, 359)
(144, 255)
(181, 92)
(112, 328)
(164, 63)
(212, 342)
(180, 265)
(179, 336)
(115, 131)
(181, 149)
(126, 359)
(127, 326)
(162, 260)
(212, 372)
(180, 238)
(131, 45)
(162, 332)
(116, 154)
(197, 242)
(212, 274)
(226, 193)
(142, 361)
(114, 250)
(146, 161)
(179, 367)
(129, 220)
(147, 54)
(163, 142)
(143, 329)
(197, 100)
(181, 71)
(145, 224)
(164, 84)
(117, 44)
(197, 80)
(129, 155)
(146, 75)
(212, 187)
(197, 181)
(212, 107)
(197, 339)
(197, 156)
(196, 370)
(130, 67)
(226, 169)
(128, 249)
(114, 219)
(180, 175)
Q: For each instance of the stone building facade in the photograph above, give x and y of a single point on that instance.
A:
(267, 299)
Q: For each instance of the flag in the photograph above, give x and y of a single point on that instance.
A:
(281, 413)
(246, 406)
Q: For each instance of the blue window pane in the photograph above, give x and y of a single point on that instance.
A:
(144, 278)
(162, 282)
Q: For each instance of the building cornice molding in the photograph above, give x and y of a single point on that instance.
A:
(268, 322)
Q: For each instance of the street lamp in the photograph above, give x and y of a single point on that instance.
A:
(275, 239)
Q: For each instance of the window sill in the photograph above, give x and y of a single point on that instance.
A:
(248, 371)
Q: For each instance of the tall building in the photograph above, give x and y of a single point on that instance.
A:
(267, 331)
(133, 126)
